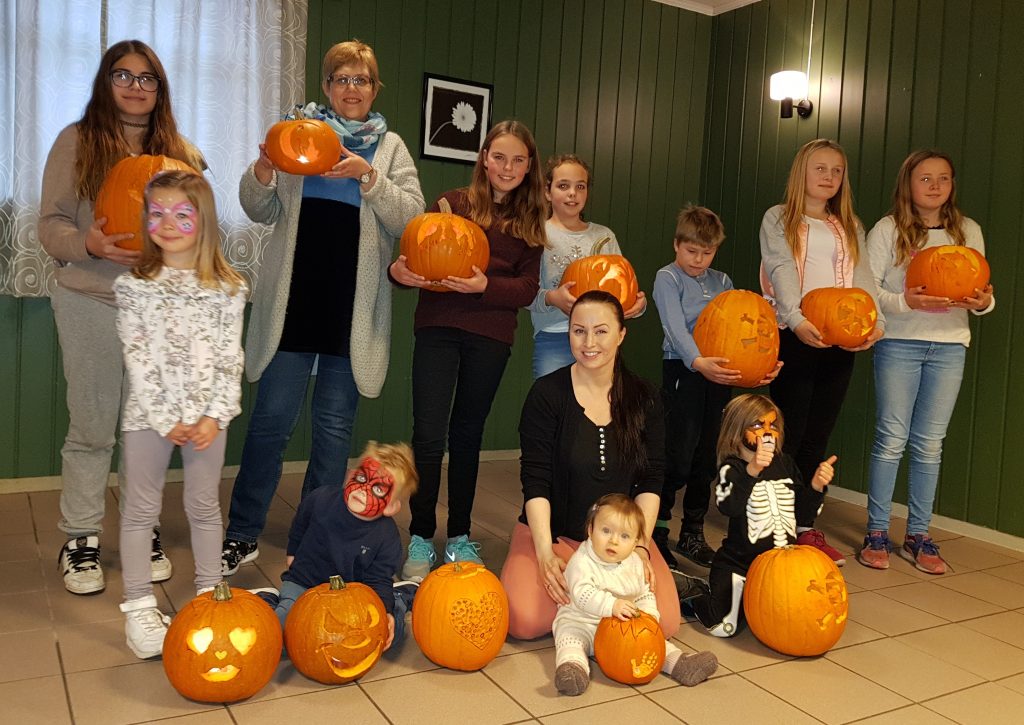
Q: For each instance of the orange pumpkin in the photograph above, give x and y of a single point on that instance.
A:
(630, 652)
(952, 271)
(611, 273)
(795, 600)
(460, 616)
(120, 196)
(844, 317)
(440, 244)
(336, 632)
(224, 646)
(740, 325)
(303, 146)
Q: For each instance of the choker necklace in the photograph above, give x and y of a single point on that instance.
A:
(134, 125)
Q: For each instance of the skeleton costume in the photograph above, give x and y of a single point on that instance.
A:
(762, 512)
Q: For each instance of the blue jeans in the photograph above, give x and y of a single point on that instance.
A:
(279, 400)
(550, 352)
(290, 591)
(916, 386)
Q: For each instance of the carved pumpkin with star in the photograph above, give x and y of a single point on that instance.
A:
(437, 245)
(631, 652)
(460, 616)
(844, 316)
(611, 273)
(951, 270)
(795, 600)
(740, 325)
(336, 632)
(223, 646)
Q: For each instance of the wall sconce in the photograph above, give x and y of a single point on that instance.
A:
(787, 85)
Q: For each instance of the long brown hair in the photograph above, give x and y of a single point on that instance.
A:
(552, 164)
(522, 212)
(911, 231)
(212, 269)
(101, 144)
(840, 205)
(739, 413)
(630, 397)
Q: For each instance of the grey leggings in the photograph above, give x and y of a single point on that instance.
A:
(146, 456)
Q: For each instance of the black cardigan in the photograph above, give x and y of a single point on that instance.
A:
(550, 418)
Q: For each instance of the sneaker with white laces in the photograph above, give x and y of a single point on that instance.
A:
(159, 564)
(460, 548)
(420, 559)
(234, 553)
(144, 626)
(815, 538)
(79, 561)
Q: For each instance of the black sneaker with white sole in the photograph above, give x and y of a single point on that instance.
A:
(693, 546)
(235, 553)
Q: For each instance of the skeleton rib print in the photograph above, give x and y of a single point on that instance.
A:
(770, 511)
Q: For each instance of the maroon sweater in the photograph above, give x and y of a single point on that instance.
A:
(512, 282)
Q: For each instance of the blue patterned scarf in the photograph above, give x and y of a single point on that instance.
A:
(354, 135)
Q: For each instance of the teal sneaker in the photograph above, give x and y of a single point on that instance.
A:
(460, 548)
(420, 559)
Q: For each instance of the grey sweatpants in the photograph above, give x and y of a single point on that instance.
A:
(146, 455)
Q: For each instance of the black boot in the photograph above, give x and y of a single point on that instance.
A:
(693, 546)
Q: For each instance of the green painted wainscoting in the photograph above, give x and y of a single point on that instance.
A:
(886, 78)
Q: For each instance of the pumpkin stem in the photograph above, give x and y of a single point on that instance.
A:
(337, 582)
(222, 592)
(444, 206)
(599, 245)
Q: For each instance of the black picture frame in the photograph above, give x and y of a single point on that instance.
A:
(456, 118)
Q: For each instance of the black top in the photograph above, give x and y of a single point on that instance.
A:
(560, 455)
(323, 286)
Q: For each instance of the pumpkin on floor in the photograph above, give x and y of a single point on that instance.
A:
(336, 632)
(951, 270)
(795, 600)
(303, 146)
(460, 616)
(631, 652)
(844, 316)
(121, 195)
(740, 325)
(440, 244)
(223, 646)
(611, 273)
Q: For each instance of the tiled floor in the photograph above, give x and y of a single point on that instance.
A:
(917, 649)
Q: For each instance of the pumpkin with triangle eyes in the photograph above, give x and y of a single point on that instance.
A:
(740, 325)
(336, 632)
(844, 316)
(632, 651)
(224, 646)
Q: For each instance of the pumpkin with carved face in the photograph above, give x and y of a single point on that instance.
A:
(795, 600)
(460, 616)
(741, 326)
(336, 632)
(224, 646)
(303, 146)
(611, 273)
(952, 271)
(437, 245)
(844, 316)
(630, 652)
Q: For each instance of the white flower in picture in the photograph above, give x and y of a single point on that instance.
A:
(464, 117)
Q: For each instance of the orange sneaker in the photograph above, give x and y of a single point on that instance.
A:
(875, 553)
(923, 553)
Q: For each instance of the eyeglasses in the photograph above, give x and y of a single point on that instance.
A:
(357, 81)
(123, 79)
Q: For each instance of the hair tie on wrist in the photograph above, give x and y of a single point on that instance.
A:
(641, 546)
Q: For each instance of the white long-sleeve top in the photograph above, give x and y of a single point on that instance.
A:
(905, 323)
(182, 350)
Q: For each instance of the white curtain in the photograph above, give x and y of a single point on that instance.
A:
(233, 67)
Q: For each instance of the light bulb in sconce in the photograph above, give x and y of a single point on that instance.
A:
(788, 85)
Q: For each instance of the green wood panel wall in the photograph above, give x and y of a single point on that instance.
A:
(887, 77)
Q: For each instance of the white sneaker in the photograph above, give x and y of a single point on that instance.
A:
(159, 564)
(144, 626)
(79, 561)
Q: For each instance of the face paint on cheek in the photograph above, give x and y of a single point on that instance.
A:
(763, 430)
(183, 214)
(369, 488)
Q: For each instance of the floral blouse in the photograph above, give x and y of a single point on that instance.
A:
(182, 350)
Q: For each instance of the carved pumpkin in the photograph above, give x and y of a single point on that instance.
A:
(460, 616)
(336, 632)
(844, 317)
(120, 197)
(440, 244)
(611, 273)
(303, 146)
(741, 326)
(224, 646)
(630, 652)
(952, 271)
(795, 600)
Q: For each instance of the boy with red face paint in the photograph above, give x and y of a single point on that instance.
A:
(348, 530)
(762, 492)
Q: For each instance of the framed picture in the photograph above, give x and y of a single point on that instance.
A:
(456, 118)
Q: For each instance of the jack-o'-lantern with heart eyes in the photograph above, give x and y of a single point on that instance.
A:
(951, 270)
(844, 316)
(336, 632)
(224, 646)
(741, 326)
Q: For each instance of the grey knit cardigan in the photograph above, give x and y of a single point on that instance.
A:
(393, 201)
